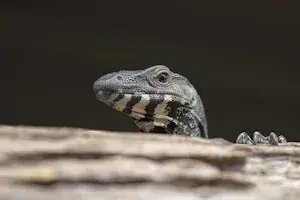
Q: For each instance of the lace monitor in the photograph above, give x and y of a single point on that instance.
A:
(161, 101)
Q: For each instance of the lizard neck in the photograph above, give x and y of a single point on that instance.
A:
(183, 123)
(162, 113)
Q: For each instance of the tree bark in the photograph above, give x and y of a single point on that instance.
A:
(71, 163)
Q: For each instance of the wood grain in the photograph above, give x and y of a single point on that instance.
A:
(72, 163)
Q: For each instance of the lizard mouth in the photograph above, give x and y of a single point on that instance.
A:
(111, 97)
(104, 93)
(140, 115)
(106, 96)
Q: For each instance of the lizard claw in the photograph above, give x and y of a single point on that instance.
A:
(282, 139)
(244, 138)
(273, 138)
(258, 138)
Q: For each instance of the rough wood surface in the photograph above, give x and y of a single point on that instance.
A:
(70, 163)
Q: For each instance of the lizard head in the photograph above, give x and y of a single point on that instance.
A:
(158, 100)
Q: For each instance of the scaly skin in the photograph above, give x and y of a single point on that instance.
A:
(161, 101)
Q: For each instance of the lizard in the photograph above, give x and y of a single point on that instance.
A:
(162, 101)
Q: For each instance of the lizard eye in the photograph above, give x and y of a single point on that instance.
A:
(160, 77)
(163, 77)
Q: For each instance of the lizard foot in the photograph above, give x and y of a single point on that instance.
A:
(258, 138)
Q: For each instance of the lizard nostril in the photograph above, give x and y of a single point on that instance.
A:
(119, 78)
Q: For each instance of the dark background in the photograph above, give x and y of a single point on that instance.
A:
(242, 56)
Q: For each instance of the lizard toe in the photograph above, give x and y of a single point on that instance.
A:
(244, 138)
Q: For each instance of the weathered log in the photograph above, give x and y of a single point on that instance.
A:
(71, 163)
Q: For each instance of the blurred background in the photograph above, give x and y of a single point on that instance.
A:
(242, 56)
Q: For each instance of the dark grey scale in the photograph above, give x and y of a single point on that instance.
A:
(203, 132)
(170, 127)
(119, 97)
(190, 122)
(154, 101)
(173, 113)
(134, 100)
(184, 115)
(173, 106)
